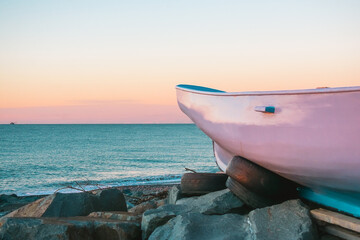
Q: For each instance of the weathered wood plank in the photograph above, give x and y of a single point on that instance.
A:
(335, 218)
(341, 232)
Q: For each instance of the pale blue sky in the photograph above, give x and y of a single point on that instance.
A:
(59, 53)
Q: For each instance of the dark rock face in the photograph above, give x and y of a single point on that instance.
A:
(111, 200)
(194, 226)
(214, 203)
(156, 217)
(289, 220)
(219, 202)
(197, 219)
(82, 204)
(73, 204)
(9, 203)
(207, 217)
(68, 228)
(67, 205)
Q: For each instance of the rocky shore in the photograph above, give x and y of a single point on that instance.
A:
(151, 212)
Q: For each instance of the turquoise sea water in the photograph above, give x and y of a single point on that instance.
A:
(38, 159)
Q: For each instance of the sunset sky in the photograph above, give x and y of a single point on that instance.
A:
(119, 61)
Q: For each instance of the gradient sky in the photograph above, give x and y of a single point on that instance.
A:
(119, 61)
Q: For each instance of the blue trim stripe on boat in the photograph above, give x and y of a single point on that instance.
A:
(342, 202)
(198, 88)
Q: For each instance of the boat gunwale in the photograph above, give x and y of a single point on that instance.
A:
(278, 92)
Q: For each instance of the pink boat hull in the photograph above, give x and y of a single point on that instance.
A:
(312, 138)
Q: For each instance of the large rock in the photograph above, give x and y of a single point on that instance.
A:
(79, 228)
(219, 202)
(289, 220)
(174, 194)
(193, 226)
(73, 204)
(154, 218)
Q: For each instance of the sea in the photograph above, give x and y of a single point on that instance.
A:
(41, 159)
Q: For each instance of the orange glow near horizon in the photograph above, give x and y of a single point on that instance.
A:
(63, 63)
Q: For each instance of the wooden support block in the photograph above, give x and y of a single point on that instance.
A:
(338, 219)
(341, 232)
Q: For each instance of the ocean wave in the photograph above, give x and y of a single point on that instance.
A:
(64, 187)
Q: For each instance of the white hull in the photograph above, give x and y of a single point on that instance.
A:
(312, 138)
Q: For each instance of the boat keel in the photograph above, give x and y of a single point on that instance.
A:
(346, 203)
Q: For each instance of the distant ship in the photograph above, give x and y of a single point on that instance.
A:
(12, 123)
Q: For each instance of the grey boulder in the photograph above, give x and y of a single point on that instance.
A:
(219, 202)
(73, 204)
(154, 218)
(197, 226)
(289, 220)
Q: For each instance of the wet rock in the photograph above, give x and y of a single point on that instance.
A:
(4, 198)
(68, 228)
(129, 205)
(289, 220)
(132, 197)
(3, 212)
(139, 197)
(122, 216)
(220, 202)
(127, 191)
(13, 198)
(137, 194)
(110, 200)
(154, 218)
(194, 226)
(174, 194)
(9, 203)
(74, 204)
(142, 207)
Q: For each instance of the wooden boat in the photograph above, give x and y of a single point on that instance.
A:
(311, 137)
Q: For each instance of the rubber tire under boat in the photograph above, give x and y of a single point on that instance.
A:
(260, 180)
(202, 183)
(251, 199)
